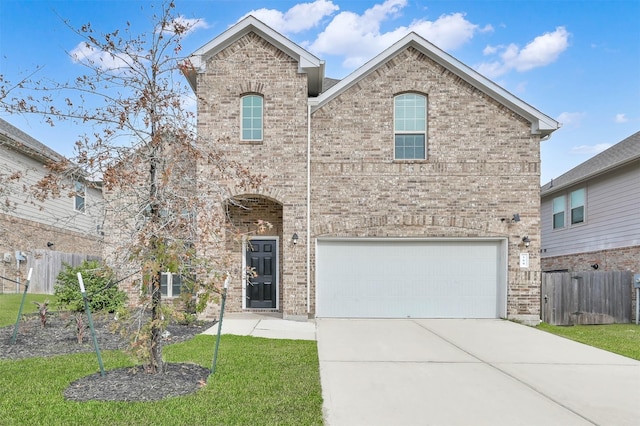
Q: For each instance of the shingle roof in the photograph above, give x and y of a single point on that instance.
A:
(19, 140)
(623, 152)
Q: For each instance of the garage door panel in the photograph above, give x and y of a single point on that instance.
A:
(398, 279)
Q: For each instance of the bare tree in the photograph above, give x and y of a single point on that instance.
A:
(163, 186)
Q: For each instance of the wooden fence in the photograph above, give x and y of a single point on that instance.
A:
(570, 298)
(47, 264)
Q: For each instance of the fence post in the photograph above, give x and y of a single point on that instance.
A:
(24, 295)
(93, 330)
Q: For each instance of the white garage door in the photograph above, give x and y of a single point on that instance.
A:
(375, 278)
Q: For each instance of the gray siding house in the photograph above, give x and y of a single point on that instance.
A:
(33, 229)
(407, 189)
(590, 216)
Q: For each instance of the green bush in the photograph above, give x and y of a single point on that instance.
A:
(99, 283)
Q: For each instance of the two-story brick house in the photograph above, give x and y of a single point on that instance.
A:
(404, 190)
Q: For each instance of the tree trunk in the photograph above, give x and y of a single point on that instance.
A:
(155, 349)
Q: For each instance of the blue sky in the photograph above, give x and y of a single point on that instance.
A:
(576, 61)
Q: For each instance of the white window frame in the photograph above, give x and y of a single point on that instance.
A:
(563, 203)
(77, 188)
(409, 132)
(577, 206)
(242, 118)
(169, 293)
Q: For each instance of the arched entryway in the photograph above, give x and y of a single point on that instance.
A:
(255, 241)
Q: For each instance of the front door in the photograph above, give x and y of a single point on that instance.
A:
(261, 283)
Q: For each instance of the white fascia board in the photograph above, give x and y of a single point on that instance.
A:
(306, 60)
(540, 123)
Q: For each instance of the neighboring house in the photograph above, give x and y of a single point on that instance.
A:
(591, 214)
(32, 228)
(404, 190)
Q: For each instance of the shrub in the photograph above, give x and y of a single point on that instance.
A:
(99, 282)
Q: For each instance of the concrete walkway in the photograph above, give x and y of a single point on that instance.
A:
(469, 372)
(270, 326)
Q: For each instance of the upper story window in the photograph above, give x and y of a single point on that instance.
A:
(80, 193)
(573, 203)
(577, 206)
(251, 118)
(558, 212)
(410, 126)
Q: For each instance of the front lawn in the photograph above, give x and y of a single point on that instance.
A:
(623, 339)
(257, 382)
(10, 304)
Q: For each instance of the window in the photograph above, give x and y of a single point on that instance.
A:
(558, 212)
(251, 118)
(577, 206)
(79, 195)
(574, 203)
(410, 126)
(170, 284)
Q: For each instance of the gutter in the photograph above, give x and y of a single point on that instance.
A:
(308, 208)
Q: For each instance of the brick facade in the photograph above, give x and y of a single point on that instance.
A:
(482, 163)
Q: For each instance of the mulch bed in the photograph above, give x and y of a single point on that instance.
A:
(123, 384)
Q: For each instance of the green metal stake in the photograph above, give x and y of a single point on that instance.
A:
(93, 330)
(224, 299)
(24, 295)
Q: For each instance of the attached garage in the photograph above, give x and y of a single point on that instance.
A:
(411, 278)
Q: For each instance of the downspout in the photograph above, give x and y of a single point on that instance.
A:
(308, 209)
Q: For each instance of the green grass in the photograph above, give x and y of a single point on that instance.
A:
(257, 382)
(10, 304)
(623, 339)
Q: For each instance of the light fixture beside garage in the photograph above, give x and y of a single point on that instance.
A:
(526, 241)
(294, 238)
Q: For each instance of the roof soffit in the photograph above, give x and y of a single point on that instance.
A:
(540, 123)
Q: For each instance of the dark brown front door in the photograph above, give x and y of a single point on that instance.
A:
(261, 289)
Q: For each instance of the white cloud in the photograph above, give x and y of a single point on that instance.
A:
(299, 18)
(191, 25)
(541, 51)
(571, 118)
(621, 118)
(84, 53)
(590, 149)
(365, 38)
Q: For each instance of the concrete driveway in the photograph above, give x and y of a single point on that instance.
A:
(469, 372)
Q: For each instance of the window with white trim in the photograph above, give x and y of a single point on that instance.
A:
(170, 284)
(577, 206)
(410, 126)
(80, 194)
(558, 212)
(251, 118)
(569, 209)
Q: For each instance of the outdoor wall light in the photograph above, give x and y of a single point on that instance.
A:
(294, 238)
(514, 218)
(526, 241)
(50, 244)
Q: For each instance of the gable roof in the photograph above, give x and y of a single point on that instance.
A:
(540, 123)
(620, 154)
(18, 140)
(307, 63)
